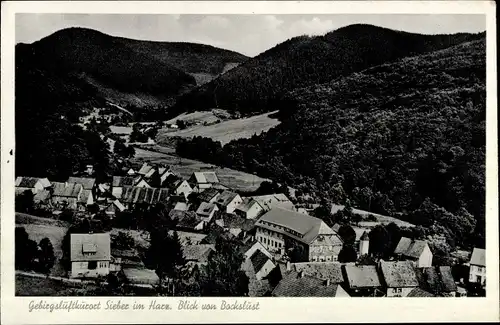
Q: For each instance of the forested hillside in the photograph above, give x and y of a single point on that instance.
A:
(258, 84)
(140, 73)
(407, 137)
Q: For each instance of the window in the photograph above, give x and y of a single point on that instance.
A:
(92, 265)
(400, 290)
(478, 278)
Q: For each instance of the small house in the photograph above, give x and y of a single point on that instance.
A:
(249, 208)
(261, 264)
(298, 284)
(119, 182)
(90, 255)
(271, 201)
(209, 195)
(363, 280)
(206, 211)
(34, 184)
(417, 251)
(228, 201)
(197, 254)
(477, 267)
(399, 277)
(66, 195)
(203, 180)
(250, 246)
(187, 220)
(437, 280)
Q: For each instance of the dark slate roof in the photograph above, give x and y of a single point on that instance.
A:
(321, 270)
(185, 219)
(436, 279)
(410, 248)
(197, 253)
(66, 189)
(205, 208)
(232, 221)
(417, 292)
(119, 181)
(399, 274)
(258, 260)
(478, 257)
(29, 182)
(225, 198)
(293, 285)
(98, 247)
(134, 195)
(362, 276)
(208, 194)
(307, 227)
(246, 204)
(87, 183)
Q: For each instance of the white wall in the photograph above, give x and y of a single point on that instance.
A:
(399, 292)
(233, 204)
(254, 211)
(80, 269)
(264, 271)
(425, 259)
(477, 271)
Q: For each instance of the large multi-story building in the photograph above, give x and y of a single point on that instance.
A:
(307, 238)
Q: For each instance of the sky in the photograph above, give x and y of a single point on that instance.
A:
(246, 34)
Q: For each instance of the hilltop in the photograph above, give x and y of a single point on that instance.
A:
(258, 84)
(125, 71)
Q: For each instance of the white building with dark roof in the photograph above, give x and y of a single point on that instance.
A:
(281, 231)
(249, 208)
(417, 251)
(203, 180)
(90, 255)
(228, 201)
(363, 280)
(33, 184)
(477, 266)
(399, 277)
(206, 211)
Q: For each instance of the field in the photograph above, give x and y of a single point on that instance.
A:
(185, 167)
(29, 286)
(225, 131)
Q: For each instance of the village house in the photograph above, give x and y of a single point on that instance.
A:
(322, 270)
(417, 251)
(89, 189)
(33, 184)
(271, 201)
(237, 226)
(119, 182)
(250, 245)
(113, 208)
(364, 244)
(399, 277)
(228, 201)
(206, 211)
(180, 187)
(298, 284)
(477, 267)
(181, 206)
(280, 230)
(66, 195)
(197, 254)
(363, 281)
(209, 195)
(203, 180)
(437, 280)
(261, 264)
(90, 255)
(187, 220)
(131, 196)
(249, 208)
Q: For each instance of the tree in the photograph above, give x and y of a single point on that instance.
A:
(379, 241)
(24, 201)
(347, 254)
(347, 234)
(123, 240)
(366, 260)
(26, 250)
(46, 255)
(223, 276)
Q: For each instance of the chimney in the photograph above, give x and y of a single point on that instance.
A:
(288, 266)
(327, 282)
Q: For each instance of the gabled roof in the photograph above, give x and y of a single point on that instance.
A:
(362, 276)
(258, 260)
(145, 168)
(208, 194)
(29, 182)
(185, 219)
(198, 253)
(293, 285)
(302, 227)
(225, 198)
(417, 292)
(398, 274)
(66, 189)
(97, 247)
(215, 233)
(205, 209)
(232, 221)
(87, 183)
(246, 204)
(478, 257)
(119, 181)
(321, 270)
(436, 279)
(271, 201)
(410, 248)
(206, 177)
(181, 206)
(134, 195)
